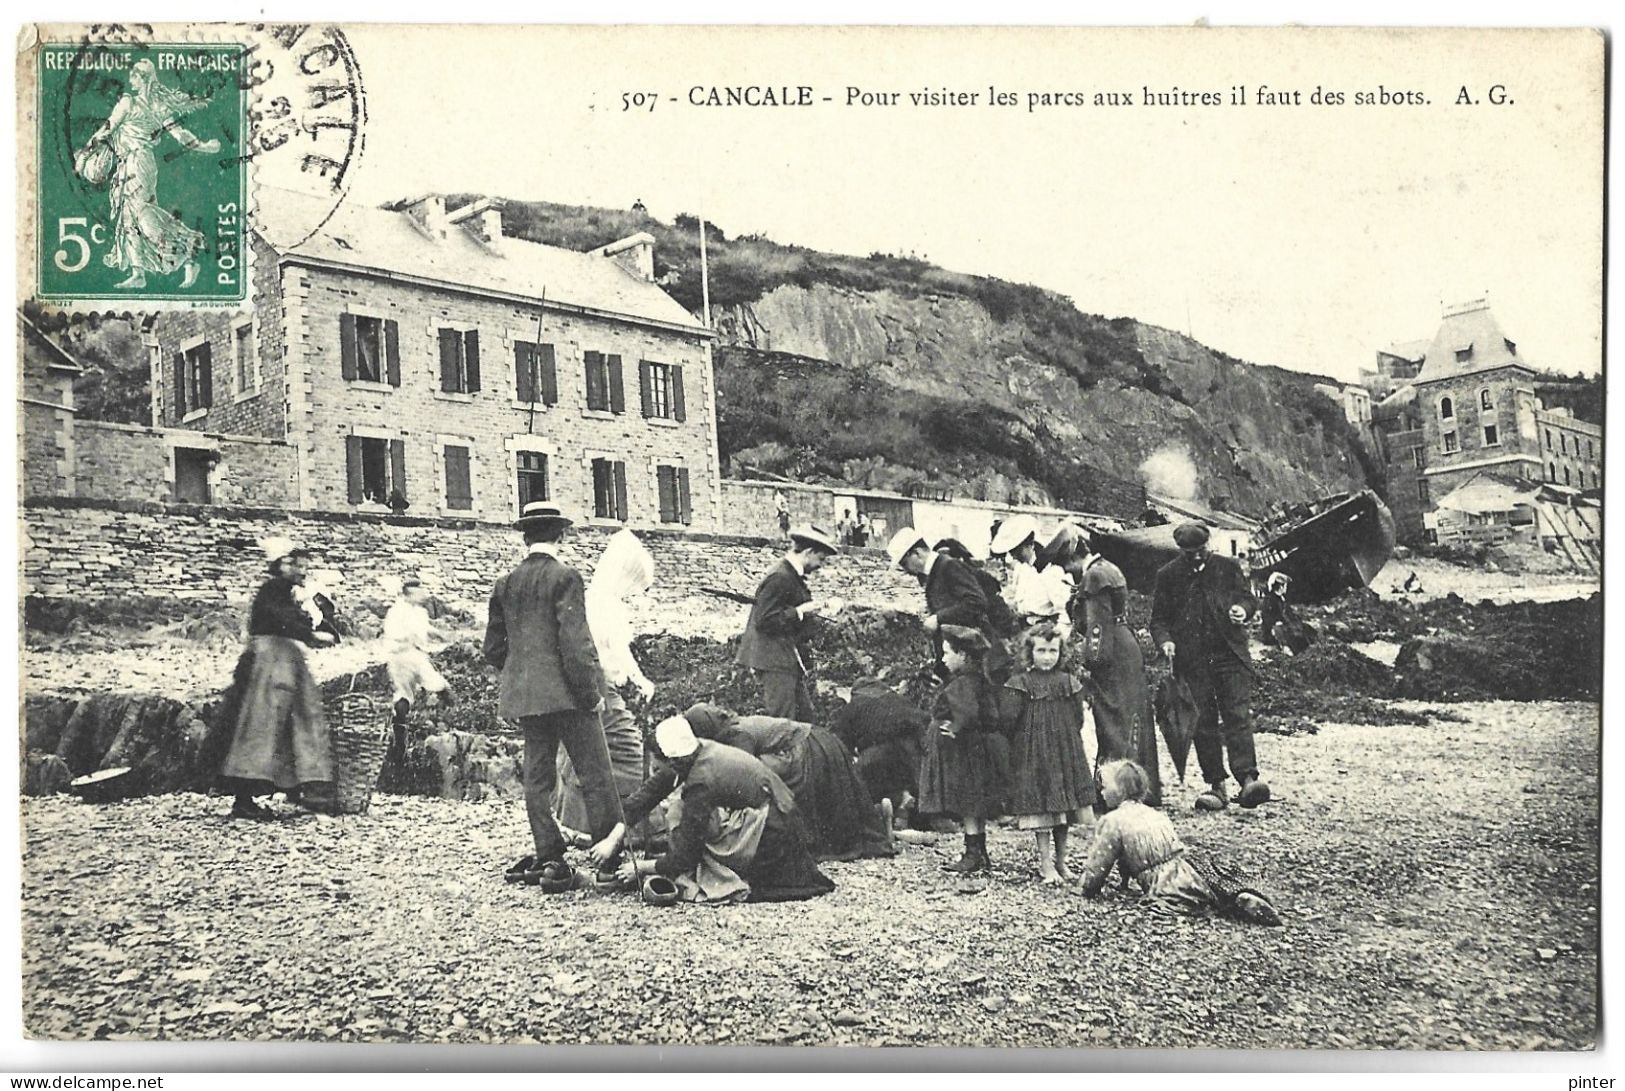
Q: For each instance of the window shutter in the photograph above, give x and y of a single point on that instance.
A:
(620, 491)
(392, 352)
(450, 380)
(471, 354)
(646, 387)
(524, 371)
(459, 493)
(181, 389)
(347, 346)
(600, 488)
(666, 486)
(685, 511)
(679, 409)
(597, 395)
(205, 365)
(617, 389)
(397, 465)
(548, 374)
(352, 458)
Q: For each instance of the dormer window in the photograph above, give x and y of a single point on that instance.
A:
(1512, 349)
(1447, 409)
(1464, 354)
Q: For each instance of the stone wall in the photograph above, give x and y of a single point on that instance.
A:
(129, 462)
(98, 549)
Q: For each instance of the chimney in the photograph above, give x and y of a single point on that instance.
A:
(429, 214)
(635, 254)
(481, 218)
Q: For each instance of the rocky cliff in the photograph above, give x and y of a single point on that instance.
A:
(1100, 399)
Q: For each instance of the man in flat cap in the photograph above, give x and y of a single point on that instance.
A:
(774, 646)
(1199, 616)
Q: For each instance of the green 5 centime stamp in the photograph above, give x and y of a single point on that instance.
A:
(143, 179)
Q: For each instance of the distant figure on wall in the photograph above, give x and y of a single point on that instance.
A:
(783, 507)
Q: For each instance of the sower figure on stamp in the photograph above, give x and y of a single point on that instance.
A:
(774, 644)
(537, 636)
(146, 238)
(1199, 615)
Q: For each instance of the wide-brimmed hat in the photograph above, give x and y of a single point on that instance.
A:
(1278, 579)
(966, 639)
(1014, 533)
(806, 534)
(902, 542)
(539, 513)
(278, 548)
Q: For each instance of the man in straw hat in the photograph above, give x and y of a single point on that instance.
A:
(953, 594)
(774, 646)
(1034, 596)
(551, 681)
(1199, 614)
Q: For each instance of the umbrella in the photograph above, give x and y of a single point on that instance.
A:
(1176, 714)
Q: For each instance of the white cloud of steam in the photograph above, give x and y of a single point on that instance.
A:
(1170, 472)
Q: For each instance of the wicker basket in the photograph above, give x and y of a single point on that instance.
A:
(360, 741)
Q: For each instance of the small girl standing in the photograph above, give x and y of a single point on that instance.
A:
(958, 772)
(1053, 785)
(1143, 843)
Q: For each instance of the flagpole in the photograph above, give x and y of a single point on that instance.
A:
(705, 280)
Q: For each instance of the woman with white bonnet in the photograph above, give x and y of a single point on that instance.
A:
(736, 835)
(625, 571)
(271, 722)
(1125, 729)
(1034, 596)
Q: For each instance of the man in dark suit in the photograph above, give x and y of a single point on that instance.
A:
(774, 645)
(953, 594)
(537, 637)
(1199, 614)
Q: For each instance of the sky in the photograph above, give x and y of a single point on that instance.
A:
(1304, 236)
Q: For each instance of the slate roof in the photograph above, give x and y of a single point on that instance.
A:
(1471, 328)
(365, 238)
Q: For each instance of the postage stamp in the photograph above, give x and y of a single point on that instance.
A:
(143, 178)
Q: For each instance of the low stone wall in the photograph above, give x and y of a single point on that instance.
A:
(89, 549)
(130, 462)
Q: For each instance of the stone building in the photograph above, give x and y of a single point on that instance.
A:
(421, 354)
(47, 395)
(1471, 409)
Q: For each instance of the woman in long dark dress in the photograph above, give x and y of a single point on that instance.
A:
(1119, 697)
(736, 834)
(817, 768)
(278, 735)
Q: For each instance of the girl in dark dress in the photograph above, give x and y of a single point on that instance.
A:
(817, 767)
(958, 772)
(1053, 785)
(736, 834)
(275, 734)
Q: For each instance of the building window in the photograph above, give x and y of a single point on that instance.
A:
(662, 387)
(1447, 409)
(1464, 354)
(1492, 436)
(1551, 471)
(242, 345)
(1565, 475)
(194, 380)
(532, 470)
(535, 375)
(1485, 401)
(459, 361)
(192, 466)
(1563, 441)
(377, 470)
(1450, 446)
(1591, 451)
(1548, 439)
(1419, 456)
(459, 482)
(672, 483)
(609, 489)
(369, 349)
(605, 392)
(1422, 492)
